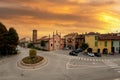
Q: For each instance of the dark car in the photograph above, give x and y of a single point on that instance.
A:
(78, 50)
(97, 54)
(73, 53)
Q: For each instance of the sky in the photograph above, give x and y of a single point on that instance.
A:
(65, 16)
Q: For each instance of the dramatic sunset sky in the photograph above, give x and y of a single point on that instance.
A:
(66, 16)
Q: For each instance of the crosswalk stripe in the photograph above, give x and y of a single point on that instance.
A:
(84, 58)
(118, 71)
(117, 79)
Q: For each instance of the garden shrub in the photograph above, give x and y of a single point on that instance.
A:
(32, 53)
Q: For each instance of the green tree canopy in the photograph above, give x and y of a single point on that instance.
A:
(13, 37)
(42, 43)
(84, 46)
(2, 28)
(8, 40)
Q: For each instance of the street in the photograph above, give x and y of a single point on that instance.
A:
(61, 66)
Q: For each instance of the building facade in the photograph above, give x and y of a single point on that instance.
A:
(103, 42)
(24, 42)
(54, 42)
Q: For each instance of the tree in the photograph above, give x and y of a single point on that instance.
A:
(12, 40)
(13, 37)
(30, 45)
(8, 40)
(84, 46)
(3, 32)
(2, 28)
(42, 43)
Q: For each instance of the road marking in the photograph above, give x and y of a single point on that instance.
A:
(87, 59)
(81, 58)
(71, 66)
(93, 63)
(111, 64)
(118, 71)
(117, 79)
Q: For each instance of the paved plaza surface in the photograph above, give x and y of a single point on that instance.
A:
(61, 66)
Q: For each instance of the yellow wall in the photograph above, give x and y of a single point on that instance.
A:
(101, 45)
(90, 39)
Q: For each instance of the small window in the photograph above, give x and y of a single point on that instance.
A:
(96, 44)
(96, 37)
(119, 43)
(105, 43)
(51, 44)
(112, 43)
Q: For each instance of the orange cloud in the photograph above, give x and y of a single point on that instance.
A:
(63, 15)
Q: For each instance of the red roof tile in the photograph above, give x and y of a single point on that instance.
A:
(108, 37)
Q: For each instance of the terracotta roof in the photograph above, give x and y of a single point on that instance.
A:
(108, 37)
(71, 34)
(93, 33)
(45, 38)
(81, 36)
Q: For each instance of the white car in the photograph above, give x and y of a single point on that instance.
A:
(91, 54)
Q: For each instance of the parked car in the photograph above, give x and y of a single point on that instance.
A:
(79, 49)
(66, 48)
(91, 54)
(97, 54)
(73, 53)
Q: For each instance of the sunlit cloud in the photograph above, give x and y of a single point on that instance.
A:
(63, 15)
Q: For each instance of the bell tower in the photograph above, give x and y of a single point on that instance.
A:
(34, 36)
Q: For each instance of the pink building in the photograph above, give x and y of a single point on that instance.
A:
(70, 40)
(51, 43)
(73, 40)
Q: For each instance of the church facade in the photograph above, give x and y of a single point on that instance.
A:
(54, 42)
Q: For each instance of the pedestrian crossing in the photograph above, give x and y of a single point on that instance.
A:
(86, 58)
(113, 65)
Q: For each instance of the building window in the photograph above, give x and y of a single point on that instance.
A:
(105, 43)
(119, 43)
(96, 44)
(51, 44)
(112, 43)
(96, 37)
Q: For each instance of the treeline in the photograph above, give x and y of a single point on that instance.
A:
(8, 40)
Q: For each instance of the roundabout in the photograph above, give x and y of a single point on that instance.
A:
(56, 66)
(38, 65)
(33, 61)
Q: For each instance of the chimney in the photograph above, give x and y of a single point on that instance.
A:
(34, 36)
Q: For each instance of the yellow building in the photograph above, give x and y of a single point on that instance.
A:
(98, 42)
(104, 44)
(92, 41)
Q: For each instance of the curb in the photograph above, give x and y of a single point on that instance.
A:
(39, 65)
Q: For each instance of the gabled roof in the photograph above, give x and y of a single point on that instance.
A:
(71, 34)
(93, 33)
(109, 37)
(45, 38)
